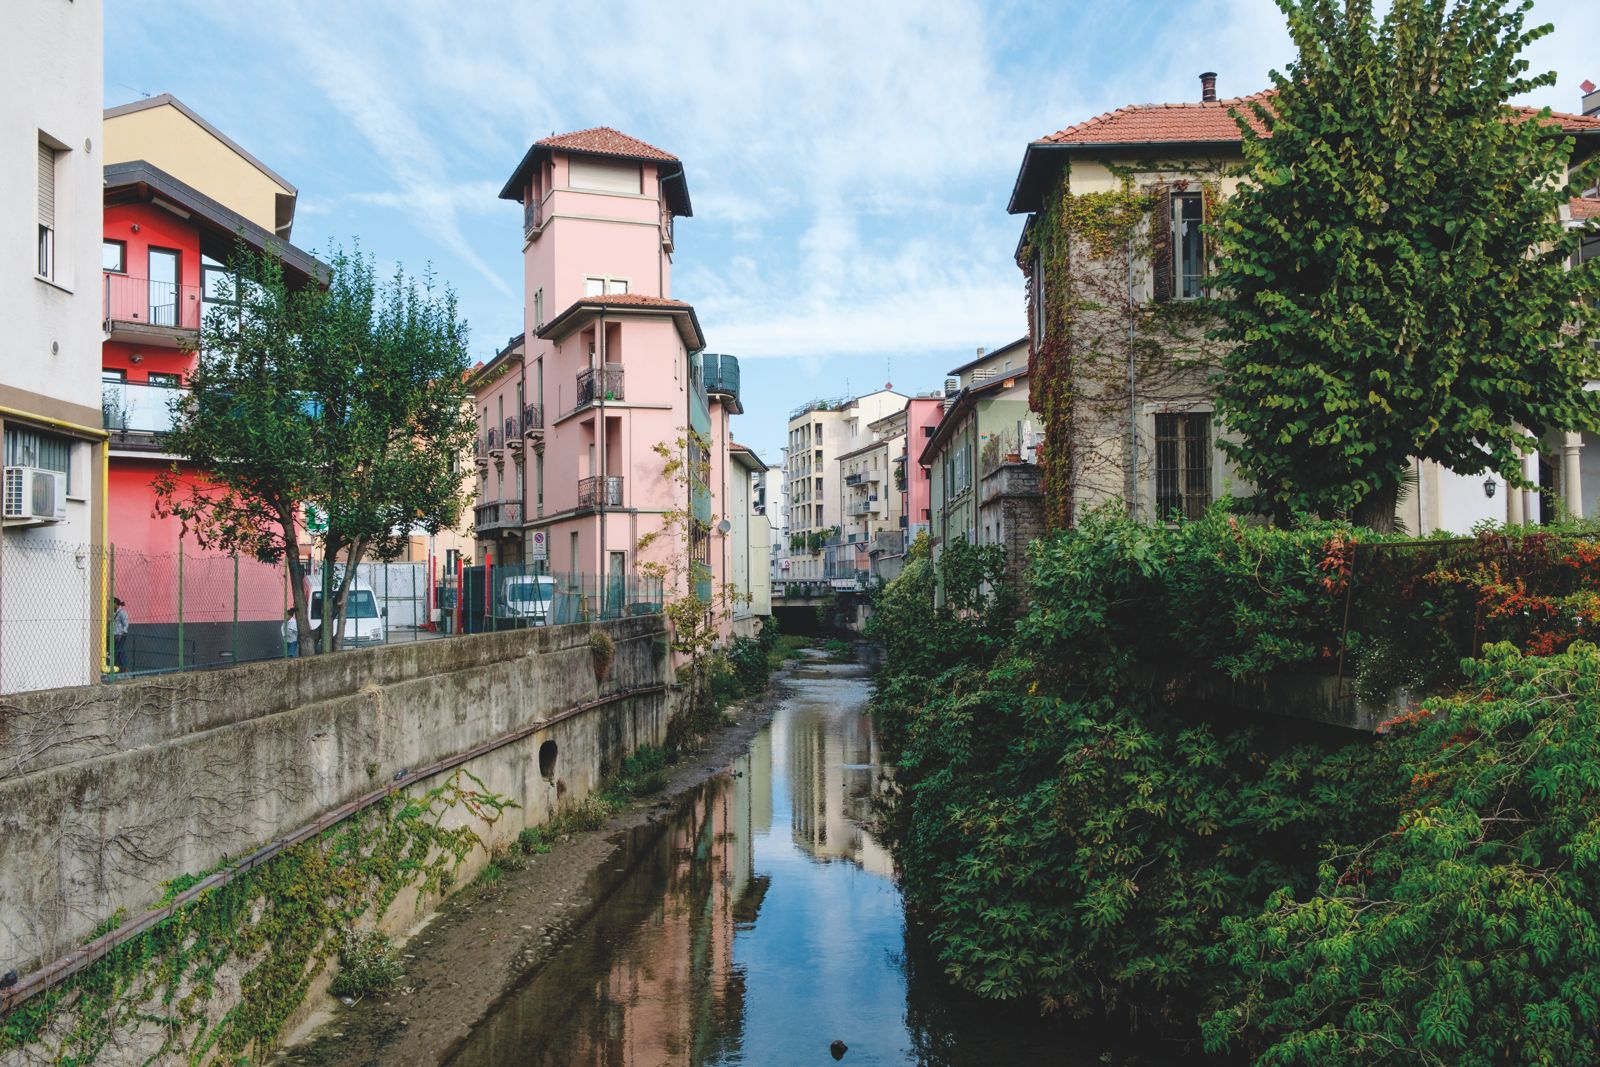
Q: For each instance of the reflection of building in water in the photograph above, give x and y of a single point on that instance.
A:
(833, 781)
(668, 991)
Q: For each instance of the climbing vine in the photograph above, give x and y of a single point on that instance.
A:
(1106, 346)
(257, 941)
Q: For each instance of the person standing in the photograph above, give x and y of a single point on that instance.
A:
(119, 633)
(291, 634)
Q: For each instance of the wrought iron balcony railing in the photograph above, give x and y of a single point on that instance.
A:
(593, 384)
(598, 492)
(497, 515)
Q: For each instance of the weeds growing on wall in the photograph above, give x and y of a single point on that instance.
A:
(267, 934)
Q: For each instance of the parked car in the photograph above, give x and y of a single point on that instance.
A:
(364, 623)
(526, 597)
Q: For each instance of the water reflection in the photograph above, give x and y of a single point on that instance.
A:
(760, 925)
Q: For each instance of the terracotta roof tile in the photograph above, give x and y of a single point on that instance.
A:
(604, 141)
(1586, 207)
(1154, 123)
(632, 300)
(1202, 123)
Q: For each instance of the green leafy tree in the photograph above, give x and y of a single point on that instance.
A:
(348, 396)
(1393, 268)
(1468, 932)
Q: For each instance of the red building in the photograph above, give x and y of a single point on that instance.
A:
(164, 254)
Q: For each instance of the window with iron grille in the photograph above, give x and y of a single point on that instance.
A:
(35, 448)
(1183, 465)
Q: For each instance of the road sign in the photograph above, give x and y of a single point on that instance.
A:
(538, 547)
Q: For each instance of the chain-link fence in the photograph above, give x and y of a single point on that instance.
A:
(72, 613)
(54, 612)
(511, 596)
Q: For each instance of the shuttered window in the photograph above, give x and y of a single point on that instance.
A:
(35, 448)
(47, 211)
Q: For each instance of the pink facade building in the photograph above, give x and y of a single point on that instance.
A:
(922, 417)
(611, 369)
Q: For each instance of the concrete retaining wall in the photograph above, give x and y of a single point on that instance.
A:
(107, 791)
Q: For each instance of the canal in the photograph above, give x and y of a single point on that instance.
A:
(761, 927)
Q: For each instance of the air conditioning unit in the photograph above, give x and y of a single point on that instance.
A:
(36, 495)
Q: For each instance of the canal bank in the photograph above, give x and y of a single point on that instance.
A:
(482, 943)
(747, 916)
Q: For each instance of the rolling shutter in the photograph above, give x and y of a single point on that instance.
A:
(47, 185)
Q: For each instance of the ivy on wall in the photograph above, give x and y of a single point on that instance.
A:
(1094, 251)
(258, 941)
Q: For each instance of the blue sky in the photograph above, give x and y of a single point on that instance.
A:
(849, 161)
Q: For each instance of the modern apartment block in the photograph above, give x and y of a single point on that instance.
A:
(53, 602)
(819, 433)
(614, 374)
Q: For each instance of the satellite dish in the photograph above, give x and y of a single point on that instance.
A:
(724, 526)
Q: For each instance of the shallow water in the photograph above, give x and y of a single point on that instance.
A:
(762, 924)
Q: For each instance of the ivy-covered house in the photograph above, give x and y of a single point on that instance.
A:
(1116, 258)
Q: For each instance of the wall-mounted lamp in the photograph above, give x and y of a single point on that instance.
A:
(136, 359)
(1489, 485)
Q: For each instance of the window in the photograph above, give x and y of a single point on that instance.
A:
(165, 271)
(538, 483)
(165, 381)
(1183, 465)
(604, 286)
(927, 431)
(47, 211)
(114, 256)
(538, 309)
(1188, 245)
(604, 176)
(35, 448)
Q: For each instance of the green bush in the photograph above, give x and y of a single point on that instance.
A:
(368, 965)
(1468, 931)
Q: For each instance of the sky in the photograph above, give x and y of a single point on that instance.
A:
(849, 160)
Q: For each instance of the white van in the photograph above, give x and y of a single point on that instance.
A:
(364, 624)
(527, 597)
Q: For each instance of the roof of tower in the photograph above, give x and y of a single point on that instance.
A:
(605, 142)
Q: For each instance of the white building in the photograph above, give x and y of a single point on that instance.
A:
(750, 543)
(819, 433)
(772, 500)
(53, 615)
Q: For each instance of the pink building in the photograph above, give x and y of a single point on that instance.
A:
(922, 417)
(612, 368)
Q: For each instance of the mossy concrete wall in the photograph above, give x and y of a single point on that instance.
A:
(106, 792)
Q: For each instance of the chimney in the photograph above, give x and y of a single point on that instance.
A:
(1591, 98)
(1208, 87)
(980, 351)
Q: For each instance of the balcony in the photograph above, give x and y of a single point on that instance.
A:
(721, 375)
(497, 515)
(480, 452)
(854, 479)
(594, 385)
(495, 445)
(158, 314)
(865, 506)
(533, 422)
(532, 218)
(598, 492)
(513, 436)
(130, 408)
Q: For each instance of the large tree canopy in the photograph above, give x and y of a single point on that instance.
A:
(1393, 269)
(349, 396)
